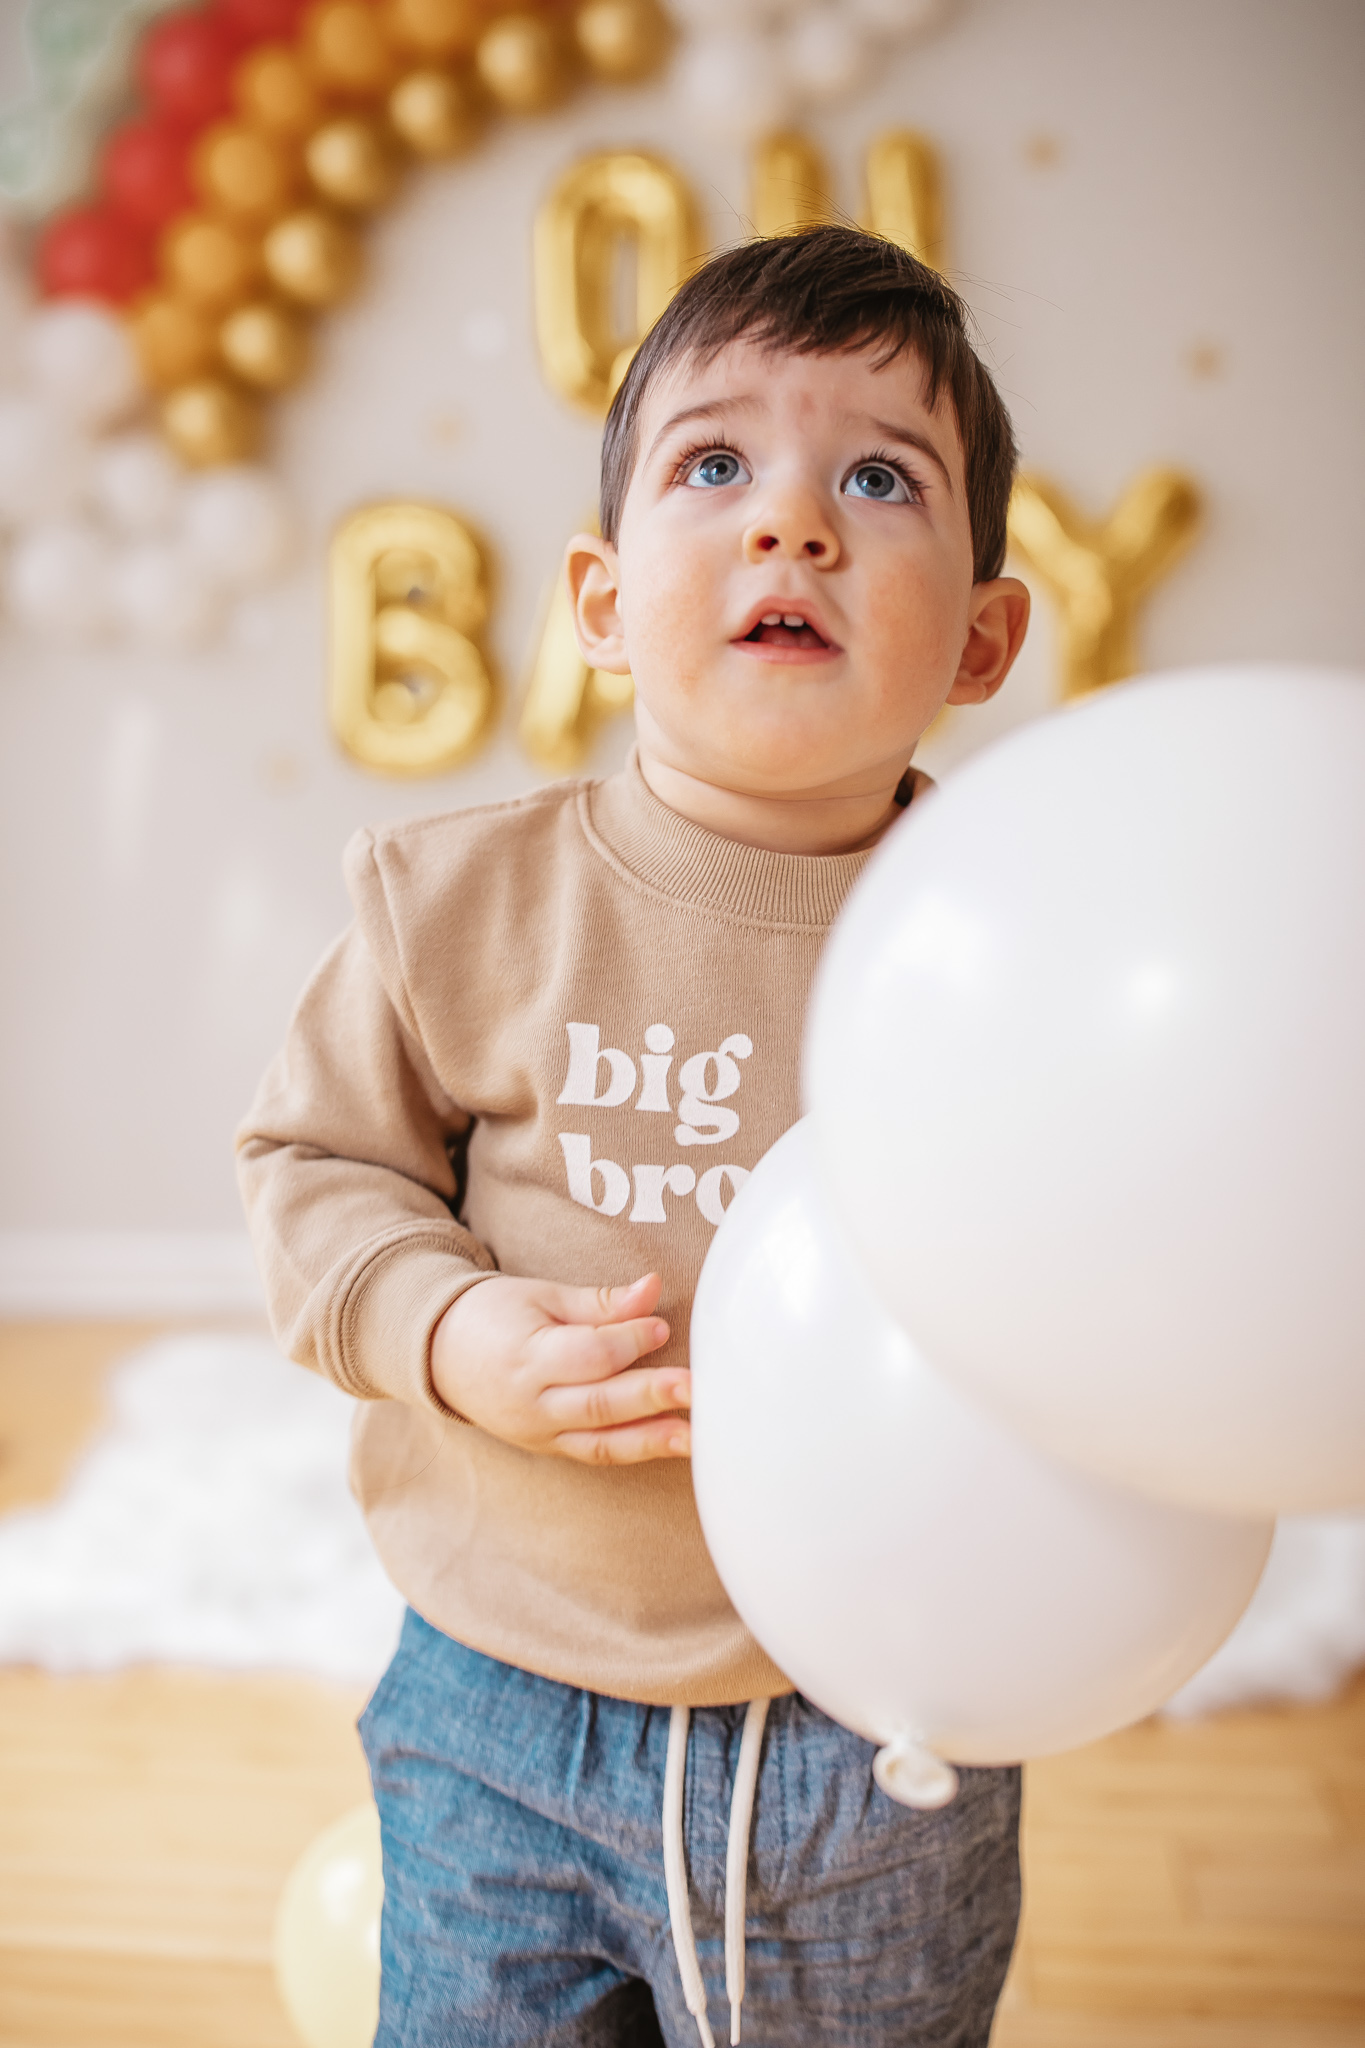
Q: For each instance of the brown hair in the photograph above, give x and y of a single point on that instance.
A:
(828, 291)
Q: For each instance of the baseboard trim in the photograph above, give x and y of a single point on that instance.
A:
(80, 1273)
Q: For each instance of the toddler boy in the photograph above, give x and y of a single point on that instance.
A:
(556, 1038)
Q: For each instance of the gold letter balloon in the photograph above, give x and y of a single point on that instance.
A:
(598, 205)
(1098, 569)
(790, 189)
(566, 700)
(410, 689)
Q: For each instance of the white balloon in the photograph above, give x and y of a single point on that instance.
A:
(57, 581)
(238, 525)
(735, 82)
(136, 483)
(163, 595)
(82, 361)
(824, 53)
(898, 18)
(925, 1577)
(1085, 1059)
(43, 461)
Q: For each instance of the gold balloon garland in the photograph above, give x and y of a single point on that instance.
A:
(319, 138)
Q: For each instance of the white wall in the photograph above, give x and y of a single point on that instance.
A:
(171, 826)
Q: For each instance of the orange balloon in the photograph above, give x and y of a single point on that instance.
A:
(210, 262)
(276, 91)
(176, 341)
(351, 162)
(435, 28)
(437, 113)
(245, 171)
(211, 422)
(621, 39)
(345, 44)
(524, 62)
(264, 346)
(312, 257)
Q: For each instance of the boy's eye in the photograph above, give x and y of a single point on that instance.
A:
(877, 480)
(717, 468)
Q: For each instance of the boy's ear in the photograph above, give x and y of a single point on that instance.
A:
(999, 621)
(593, 577)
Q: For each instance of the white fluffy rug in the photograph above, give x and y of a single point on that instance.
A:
(211, 1524)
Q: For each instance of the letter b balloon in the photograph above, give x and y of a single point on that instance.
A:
(1087, 1068)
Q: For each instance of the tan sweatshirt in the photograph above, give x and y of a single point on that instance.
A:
(556, 1038)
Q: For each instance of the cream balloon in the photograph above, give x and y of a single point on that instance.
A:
(1085, 1064)
(824, 54)
(163, 596)
(921, 1574)
(136, 483)
(327, 1934)
(44, 461)
(81, 359)
(239, 525)
(733, 83)
(58, 581)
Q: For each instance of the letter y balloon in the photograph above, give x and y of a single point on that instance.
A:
(925, 1577)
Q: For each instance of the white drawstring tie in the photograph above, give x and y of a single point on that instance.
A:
(736, 1866)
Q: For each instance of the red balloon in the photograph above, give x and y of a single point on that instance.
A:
(145, 172)
(261, 21)
(94, 253)
(186, 64)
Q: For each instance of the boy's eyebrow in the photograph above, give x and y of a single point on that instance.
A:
(711, 408)
(913, 439)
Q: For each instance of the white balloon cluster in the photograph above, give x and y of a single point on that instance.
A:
(994, 1472)
(107, 535)
(748, 66)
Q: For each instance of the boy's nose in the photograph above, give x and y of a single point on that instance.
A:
(794, 526)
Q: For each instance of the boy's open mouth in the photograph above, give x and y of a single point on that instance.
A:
(785, 629)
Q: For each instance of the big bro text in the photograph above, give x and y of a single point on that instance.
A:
(604, 1077)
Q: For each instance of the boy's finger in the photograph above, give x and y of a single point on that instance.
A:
(600, 1305)
(571, 1353)
(628, 1397)
(632, 1444)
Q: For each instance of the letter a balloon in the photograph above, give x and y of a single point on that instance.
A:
(925, 1577)
(1087, 1066)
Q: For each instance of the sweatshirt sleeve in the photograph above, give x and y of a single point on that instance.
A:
(345, 1165)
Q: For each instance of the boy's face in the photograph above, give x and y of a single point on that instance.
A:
(792, 585)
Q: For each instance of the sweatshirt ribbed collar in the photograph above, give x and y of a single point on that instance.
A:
(700, 870)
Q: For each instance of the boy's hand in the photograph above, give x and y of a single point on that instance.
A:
(555, 1369)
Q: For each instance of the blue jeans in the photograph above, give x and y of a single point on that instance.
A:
(524, 1892)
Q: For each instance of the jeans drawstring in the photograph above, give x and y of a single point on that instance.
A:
(736, 1865)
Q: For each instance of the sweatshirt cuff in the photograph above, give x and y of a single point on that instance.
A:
(389, 1315)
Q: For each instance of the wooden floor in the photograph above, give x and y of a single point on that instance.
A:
(1187, 1886)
